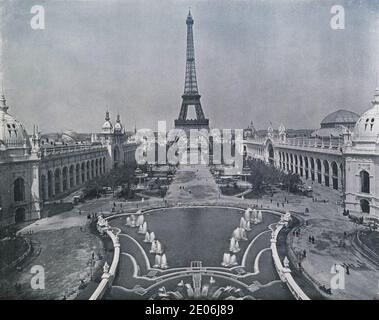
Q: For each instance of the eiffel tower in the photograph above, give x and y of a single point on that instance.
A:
(191, 96)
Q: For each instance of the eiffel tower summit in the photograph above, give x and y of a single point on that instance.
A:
(191, 96)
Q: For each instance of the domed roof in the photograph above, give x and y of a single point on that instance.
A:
(340, 117)
(118, 126)
(367, 127)
(12, 132)
(107, 126)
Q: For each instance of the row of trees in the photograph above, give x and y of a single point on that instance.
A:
(121, 176)
(263, 174)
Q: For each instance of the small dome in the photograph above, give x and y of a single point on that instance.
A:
(107, 126)
(118, 126)
(367, 127)
(12, 132)
(340, 117)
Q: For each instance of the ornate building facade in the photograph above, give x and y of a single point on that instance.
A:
(39, 169)
(342, 154)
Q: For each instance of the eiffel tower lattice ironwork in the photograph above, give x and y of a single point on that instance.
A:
(191, 96)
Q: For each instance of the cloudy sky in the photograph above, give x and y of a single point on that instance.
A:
(263, 61)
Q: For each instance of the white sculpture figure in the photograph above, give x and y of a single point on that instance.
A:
(226, 260)
(286, 262)
(248, 225)
(128, 221)
(106, 267)
(212, 280)
(164, 264)
(147, 237)
(157, 261)
(140, 220)
(181, 283)
(152, 236)
(233, 260)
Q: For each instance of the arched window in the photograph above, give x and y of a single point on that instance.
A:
(365, 181)
(19, 190)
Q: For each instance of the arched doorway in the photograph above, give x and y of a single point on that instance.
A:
(365, 206)
(19, 215)
(270, 151)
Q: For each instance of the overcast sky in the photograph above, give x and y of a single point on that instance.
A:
(263, 61)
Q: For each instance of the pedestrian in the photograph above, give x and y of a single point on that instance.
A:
(313, 240)
(347, 269)
(304, 253)
(80, 212)
(310, 239)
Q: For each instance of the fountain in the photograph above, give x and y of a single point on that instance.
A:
(158, 261)
(140, 220)
(247, 214)
(143, 228)
(190, 292)
(153, 248)
(204, 290)
(233, 260)
(163, 264)
(159, 247)
(236, 234)
(133, 220)
(226, 260)
(248, 225)
(147, 237)
(239, 234)
(243, 234)
(243, 223)
(156, 247)
(234, 246)
(259, 217)
(254, 215)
